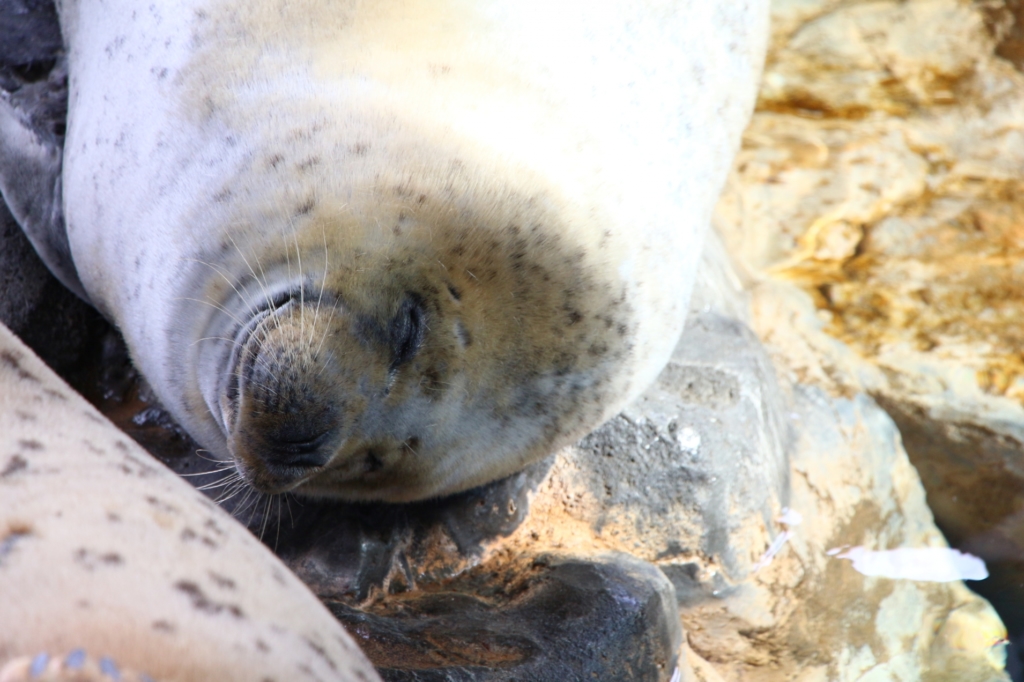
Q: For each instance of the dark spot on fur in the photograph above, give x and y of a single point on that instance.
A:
(161, 505)
(321, 652)
(25, 416)
(222, 581)
(121, 445)
(275, 160)
(91, 560)
(113, 517)
(262, 646)
(144, 468)
(306, 164)
(163, 626)
(13, 361)
(306, 207)
(203, 603)
(222, 196)
(96, 450)
(456, 295)
(31, 444)
(359, 149)
(574, 317)
(15, 464)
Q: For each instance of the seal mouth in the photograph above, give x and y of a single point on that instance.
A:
(274, 479)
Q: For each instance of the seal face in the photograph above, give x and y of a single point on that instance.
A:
(396, 249)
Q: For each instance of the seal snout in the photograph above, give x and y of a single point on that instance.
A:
(282, 411)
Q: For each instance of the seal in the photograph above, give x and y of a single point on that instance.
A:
(114, 568)
(390, 249)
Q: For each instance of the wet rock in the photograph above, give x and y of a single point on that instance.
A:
(59, 327)
(882, 176)
(600, 617)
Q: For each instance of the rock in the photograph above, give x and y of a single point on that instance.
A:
(896, 206)
(104, 551)
(59, 327)
(604, 617)
(882, 175)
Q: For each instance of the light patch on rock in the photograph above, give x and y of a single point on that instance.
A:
(926, 564)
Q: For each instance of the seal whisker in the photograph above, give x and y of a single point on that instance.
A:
(250, 307)
(258, 384)
(302, 289)
(212, 305)
(248, 499)
(264, 363)
(232, 488)
(226, 480)
(267, 504)
(253, 507)
(232, 491)
(215, 338)
(200, 452)
(323, 282)
(323, 336)
(261, 282)
(228, 466)
(277, 535)
(288, 506)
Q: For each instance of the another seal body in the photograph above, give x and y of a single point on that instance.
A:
(393, 249)
(110, 558)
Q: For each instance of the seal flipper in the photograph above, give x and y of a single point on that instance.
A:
(30, 182)
(33, 112)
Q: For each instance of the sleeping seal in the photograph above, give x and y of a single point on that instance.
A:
(388, 249)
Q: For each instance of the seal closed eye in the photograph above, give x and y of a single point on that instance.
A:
(389, 250)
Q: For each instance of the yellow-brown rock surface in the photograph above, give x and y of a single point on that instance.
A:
(884, 175)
